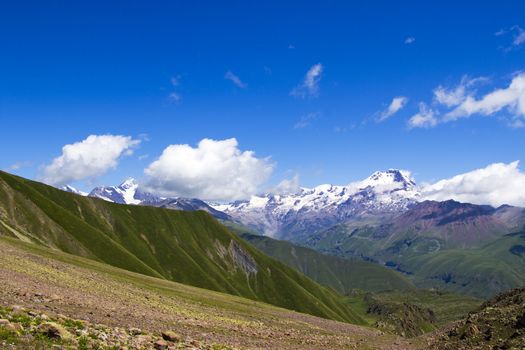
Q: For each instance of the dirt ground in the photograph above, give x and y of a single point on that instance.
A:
(99, 294)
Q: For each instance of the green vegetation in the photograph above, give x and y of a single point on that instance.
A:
(498, 324)
(112, 303)
(481, 270)
(343, 275)
(187, 247)
(411, 313)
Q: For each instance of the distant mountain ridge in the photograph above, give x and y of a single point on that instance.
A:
(462, 247)
(294, 216)
(129, 192)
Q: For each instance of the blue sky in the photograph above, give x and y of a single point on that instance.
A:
(73, 69)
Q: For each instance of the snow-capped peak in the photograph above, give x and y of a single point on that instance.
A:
(381, 193)
(389, 177)
(129, 183)
(124, 193)
(71, 189)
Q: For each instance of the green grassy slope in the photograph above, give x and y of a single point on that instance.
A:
(187, 247)
(482, 272)
(341, 274)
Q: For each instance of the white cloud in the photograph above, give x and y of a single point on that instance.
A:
(91, 157)
(511, 98)
(395, 106)
(425, 118)
(306, 120)
(214, 170)
(287, 186)
(235, 80)
(310, 85)
(496, 184)
(451, 97)
(409, 40)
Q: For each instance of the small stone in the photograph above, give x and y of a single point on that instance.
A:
(44, 317)
(171, 336)
(135, 331)
(54, 331)
(3, 321)
(161, 345)
(18, 326)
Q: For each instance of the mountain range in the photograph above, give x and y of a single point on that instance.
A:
(383, 219)
(289, 216)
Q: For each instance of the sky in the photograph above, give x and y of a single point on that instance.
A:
(224, 100)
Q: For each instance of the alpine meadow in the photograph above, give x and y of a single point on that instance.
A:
(262, 175)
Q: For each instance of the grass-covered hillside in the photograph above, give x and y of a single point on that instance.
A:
(58, 300)
(187, 247)
(464, 248)
(343, 275)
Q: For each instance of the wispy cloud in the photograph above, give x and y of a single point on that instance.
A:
(409, 40)
(235, 80)
(451, 97)
(511, 98)
(310, 84)
(19, 165)
(306, 120)
(425, 118)
(174, 97)
(518, 36)
(463, 101)
(395, 106)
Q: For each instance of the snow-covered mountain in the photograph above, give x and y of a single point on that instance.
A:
(71, 189)
(126, 193)
(293, 216)
(129, 192)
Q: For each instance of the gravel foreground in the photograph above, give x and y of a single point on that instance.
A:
(54, 300)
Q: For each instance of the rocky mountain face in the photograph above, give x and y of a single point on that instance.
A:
(298, 215)
(498, 324)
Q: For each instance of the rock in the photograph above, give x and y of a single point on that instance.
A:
(135, 331)
(54, 331)
(521, 321)
(17, 309)
(18, 326)
(161, 345)
(171, 336)
(3, 321)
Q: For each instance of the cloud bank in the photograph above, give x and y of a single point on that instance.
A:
(89, 158)
(214, 170)
(496, 184)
